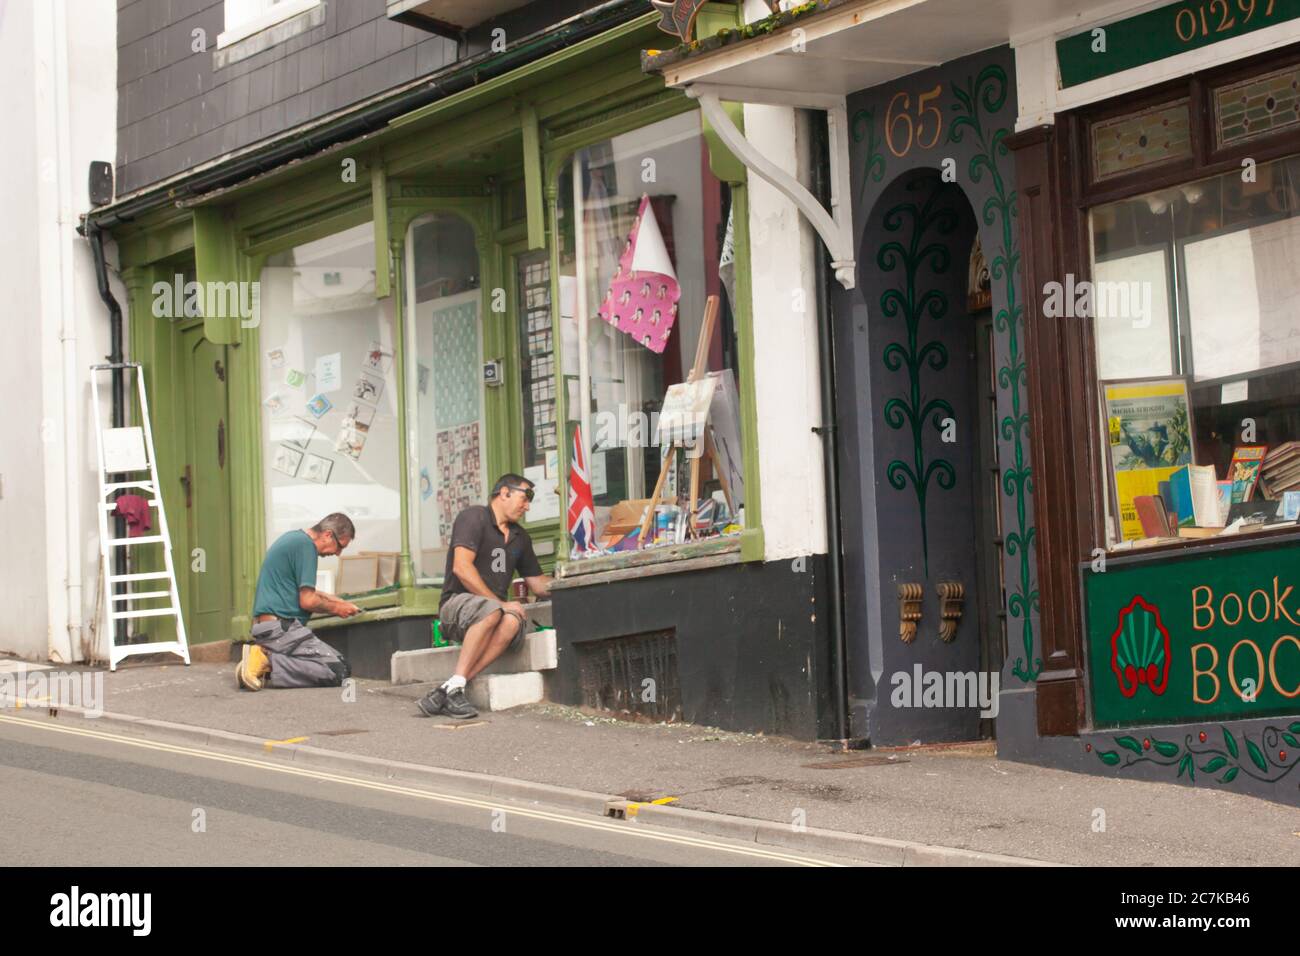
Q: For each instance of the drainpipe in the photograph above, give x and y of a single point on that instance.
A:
(96, 237)
(830, 450)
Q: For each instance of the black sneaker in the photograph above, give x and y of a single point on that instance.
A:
(455, 705)
(431, 704)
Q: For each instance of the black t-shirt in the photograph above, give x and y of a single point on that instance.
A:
(495, 559)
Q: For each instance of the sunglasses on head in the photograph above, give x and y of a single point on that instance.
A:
(528, 492)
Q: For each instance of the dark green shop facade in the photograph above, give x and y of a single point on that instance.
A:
(419, 300)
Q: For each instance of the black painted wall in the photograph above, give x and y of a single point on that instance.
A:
(751, 641)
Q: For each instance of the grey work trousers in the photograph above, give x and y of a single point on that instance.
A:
(298, 657)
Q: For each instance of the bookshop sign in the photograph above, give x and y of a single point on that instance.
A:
(1194, 637)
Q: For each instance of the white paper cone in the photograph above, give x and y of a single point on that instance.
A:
(650, 254)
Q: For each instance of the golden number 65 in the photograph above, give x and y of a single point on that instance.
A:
(898, 115)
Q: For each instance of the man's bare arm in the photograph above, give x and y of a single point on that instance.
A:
(463, 568)
(311, 600)
(540, 585)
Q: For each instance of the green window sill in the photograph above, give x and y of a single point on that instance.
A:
(385, 604)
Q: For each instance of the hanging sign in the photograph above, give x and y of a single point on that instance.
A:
(678, 16)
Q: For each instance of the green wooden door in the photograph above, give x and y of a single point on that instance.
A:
(209, 597)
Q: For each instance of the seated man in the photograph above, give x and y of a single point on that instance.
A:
(486, 548)
(284, 652)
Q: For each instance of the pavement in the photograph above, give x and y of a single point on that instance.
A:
(961, 799)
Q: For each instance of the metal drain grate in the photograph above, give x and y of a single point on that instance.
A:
(636, 674)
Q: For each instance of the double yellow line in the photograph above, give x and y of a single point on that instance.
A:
(621, 829)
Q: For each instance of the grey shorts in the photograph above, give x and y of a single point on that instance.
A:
(460, 612)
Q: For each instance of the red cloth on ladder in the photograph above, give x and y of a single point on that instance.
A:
(136, 512)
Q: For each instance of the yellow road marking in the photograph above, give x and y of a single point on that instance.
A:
(291, 740)
(479, 723)
(599, 823)
(662, 800)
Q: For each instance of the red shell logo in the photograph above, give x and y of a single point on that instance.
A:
(1139, 649)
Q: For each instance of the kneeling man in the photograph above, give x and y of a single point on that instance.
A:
(284, 652)
(486, 548)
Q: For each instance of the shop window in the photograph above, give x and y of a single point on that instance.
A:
(1259, 106)
(451, 453)
(645, 202)
(1196, 299)
(329, 397)
(1138, 140)
(537, 360)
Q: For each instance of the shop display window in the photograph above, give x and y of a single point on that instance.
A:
(329, 395)
(1196, 303)
(445, 300)
(537, 360)
(652, 245)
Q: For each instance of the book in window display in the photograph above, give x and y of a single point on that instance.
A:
(1149, 434)
(1280, 470)
(1243, 472)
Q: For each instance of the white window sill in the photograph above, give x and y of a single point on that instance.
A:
(277, 14)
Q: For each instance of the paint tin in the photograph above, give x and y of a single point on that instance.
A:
(663, 522)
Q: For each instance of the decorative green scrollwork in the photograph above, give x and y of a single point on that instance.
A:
(1269, 760)
(987, 91)
(875, 158)
(912, 411)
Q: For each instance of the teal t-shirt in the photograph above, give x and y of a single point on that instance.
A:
(290, 564)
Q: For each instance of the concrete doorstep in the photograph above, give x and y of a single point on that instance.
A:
(435, 664)
(867, 849)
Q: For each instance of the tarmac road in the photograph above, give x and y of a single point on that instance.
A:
(73, 798)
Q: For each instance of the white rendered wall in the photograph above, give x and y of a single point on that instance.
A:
(23, 561)
(783, 268)
(58, 62)
(92, 88)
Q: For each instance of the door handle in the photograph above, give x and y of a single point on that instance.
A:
(221, 443)
(187, 484)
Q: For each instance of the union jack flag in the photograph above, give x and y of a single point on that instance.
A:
(582, 513)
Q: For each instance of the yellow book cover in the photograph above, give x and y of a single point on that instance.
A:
(1149, 432)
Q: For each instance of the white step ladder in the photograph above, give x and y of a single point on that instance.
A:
(128, 452)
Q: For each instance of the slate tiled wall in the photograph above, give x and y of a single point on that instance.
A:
(175, 111)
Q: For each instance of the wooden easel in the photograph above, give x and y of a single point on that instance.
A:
(698, 371)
